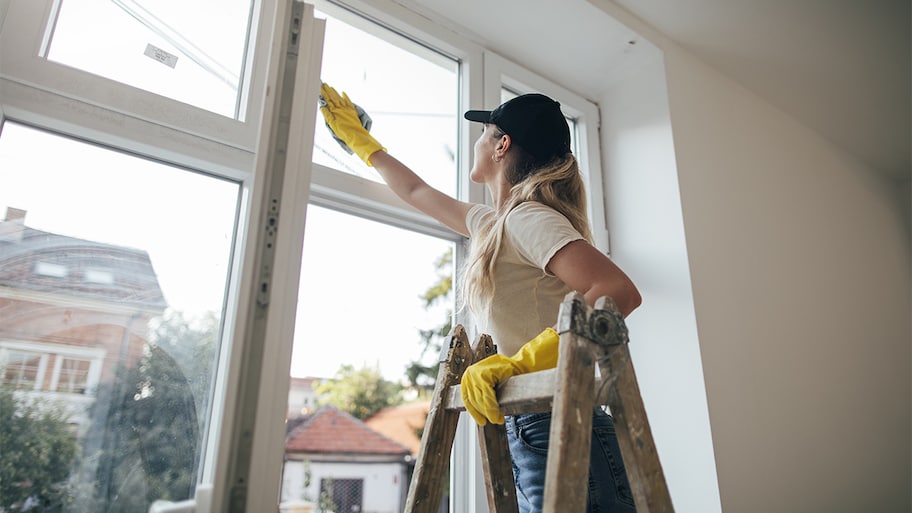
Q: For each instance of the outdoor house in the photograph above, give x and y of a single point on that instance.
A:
(71, 311)
(74, 327)
(329, 453)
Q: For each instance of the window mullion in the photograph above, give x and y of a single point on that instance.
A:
(250, 451)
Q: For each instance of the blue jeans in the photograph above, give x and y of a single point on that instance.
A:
(609, 490)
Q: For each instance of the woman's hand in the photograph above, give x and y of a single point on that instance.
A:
(480, 380)
(342, 118)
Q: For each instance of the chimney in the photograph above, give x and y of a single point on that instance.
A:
(13, 225)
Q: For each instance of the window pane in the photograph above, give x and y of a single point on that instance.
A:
(188, 50)
(369, 294)
(21, 369)
(74, 376)
(409, 92)
(118, 330)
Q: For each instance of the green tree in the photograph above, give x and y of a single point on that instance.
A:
(145, 438)
(423, 376)
(360, 392)
(192, 344)
(37, 449)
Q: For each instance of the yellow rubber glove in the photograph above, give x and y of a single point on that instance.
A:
(342, 117)
(481, 378)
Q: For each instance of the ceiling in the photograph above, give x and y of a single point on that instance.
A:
(841, 67)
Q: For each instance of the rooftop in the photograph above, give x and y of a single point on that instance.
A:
(40, 261)
(329, 430)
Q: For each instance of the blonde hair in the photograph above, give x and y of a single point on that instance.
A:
(557, 184)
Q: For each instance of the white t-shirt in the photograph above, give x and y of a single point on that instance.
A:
(526, 297)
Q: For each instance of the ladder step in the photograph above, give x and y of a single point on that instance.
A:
(526, 393)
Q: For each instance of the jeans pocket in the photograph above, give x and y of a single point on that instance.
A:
(533, 431)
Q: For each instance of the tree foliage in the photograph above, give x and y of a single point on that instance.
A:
(37, 449)
(360, 392)
(144, 444)
(420, 375)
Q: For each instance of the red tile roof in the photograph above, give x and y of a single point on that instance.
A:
(402, 423)
(329, 430)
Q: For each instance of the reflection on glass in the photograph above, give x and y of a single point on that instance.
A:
(409, 92)
(187, 50)
(372, 302)
(113, 271)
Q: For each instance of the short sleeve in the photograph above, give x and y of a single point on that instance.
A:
(537, 232)
(476, 217)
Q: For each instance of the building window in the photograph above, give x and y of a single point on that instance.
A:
(73, 376)
(23, 370)
(346, 495)
(100, 277)
(49, 269)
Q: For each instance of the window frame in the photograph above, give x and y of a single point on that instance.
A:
(94, 356)
(8, 350)
(354, 195)
(500, 72)
(70, 102)
(23, 46)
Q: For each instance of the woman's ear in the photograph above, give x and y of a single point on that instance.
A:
(503, 144)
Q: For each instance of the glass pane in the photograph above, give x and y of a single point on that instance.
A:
(409, 92)
(187, 50)
(113, 271)
(74, 376)
(21, 369)
(372, 303)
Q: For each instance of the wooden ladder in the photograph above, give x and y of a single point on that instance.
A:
(588, 336)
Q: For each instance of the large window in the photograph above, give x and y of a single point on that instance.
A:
(168, 261)
(189, 51)
(110, 294)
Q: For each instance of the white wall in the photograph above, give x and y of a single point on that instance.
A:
(800, 265)
(383, 482)
(647, 240)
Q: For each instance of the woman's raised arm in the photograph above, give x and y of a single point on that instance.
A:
(342, 117)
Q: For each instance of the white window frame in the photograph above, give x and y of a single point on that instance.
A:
(500, 73)
(67, 101)
(24, 43)
(7, 348)
(341, 191)
(58, 368)
(94, 355)
(63, 100)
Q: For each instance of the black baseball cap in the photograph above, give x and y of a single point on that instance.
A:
(533, 121)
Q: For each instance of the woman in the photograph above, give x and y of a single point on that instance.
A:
(527, 252)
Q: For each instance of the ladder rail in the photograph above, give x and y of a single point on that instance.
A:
(590, 337)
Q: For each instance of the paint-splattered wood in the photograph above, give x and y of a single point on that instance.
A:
(427, 484)
(567, 473)
(607, 333)
(526, 393)
(496, 462)
(588, 337)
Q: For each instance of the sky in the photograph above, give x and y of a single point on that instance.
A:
(360, 285)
